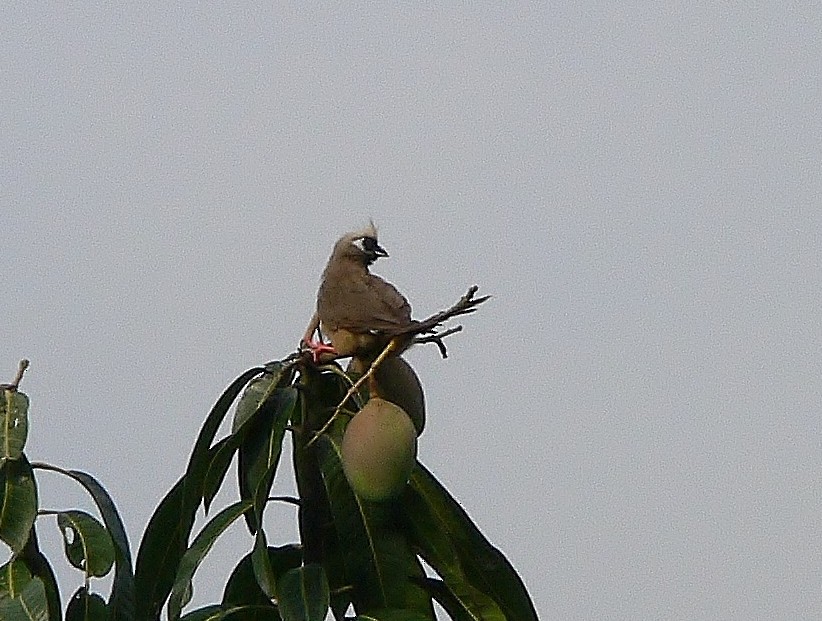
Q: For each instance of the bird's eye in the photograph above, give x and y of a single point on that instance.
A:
(366, 244)
(370, 244)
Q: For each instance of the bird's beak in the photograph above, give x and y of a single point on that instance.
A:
(379, 251)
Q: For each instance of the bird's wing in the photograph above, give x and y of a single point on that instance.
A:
(367, 304)
(393, 311)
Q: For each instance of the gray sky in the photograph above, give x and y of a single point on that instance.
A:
(634, 419)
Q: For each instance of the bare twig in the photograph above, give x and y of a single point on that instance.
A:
(15, 383)
(436, 338)
(339, 409)
(466, 304)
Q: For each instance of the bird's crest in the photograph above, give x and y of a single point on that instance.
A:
(368, 231)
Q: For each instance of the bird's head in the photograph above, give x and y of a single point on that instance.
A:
(360, 246)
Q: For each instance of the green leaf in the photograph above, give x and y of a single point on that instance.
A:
(319, 394)
(451, 543)
(87, 542)
(281, 408)
(202, 455)
(85, 606)
(232, 613)
(18, 502)
(392, 614)
(166, 537)
(242, 586)
(378, 560)
(121, 602)
(163, 545)
(182, 589)
(261, 563)
(29, 605)
(262, 446)
(39, 567)
(303, 594)
(14, 575)
(223, 453)
(445, 598)
(257, 394)
(14, 424)
(209, 613)
(435, 546)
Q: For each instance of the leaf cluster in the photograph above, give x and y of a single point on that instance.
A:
(352, 555)
(28, 588)
(389, 561)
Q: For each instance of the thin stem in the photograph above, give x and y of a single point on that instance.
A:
(40, 465)
(288, 499)
(15, 383)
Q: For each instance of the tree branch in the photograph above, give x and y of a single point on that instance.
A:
(465, 305)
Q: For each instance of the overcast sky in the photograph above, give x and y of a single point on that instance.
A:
(634, 419)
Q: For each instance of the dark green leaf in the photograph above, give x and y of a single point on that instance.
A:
(257, 393)
(445, 598)
(303, 594)
(215, 473)
(319, 394)
(261, 563)
(242, 586)
(481, 565)
(18, 502)
(392, 614)
(435, 546)
(232, 613)
(202, 455)
(29, 605)
(283, 558)
(378, 561)
(87, 542)
(166, 537)
(121, 602)
(262, 446)
(14, 424)
(181, 590)
(85, 606)
(40, 568)
(163, 545)
(284, 401)
(14, 575)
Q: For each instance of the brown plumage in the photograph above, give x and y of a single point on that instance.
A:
(358, 311)
(366, 317)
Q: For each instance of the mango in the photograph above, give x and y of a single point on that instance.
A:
(396, 381)
(379, 450)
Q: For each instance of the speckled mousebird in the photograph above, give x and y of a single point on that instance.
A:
(358, 311)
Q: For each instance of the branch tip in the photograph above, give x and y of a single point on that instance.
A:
(15, 383)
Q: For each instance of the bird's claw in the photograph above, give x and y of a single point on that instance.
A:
(317, 349)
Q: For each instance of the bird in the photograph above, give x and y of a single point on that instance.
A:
(359, 312)
(362, 315)
(366, 317)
